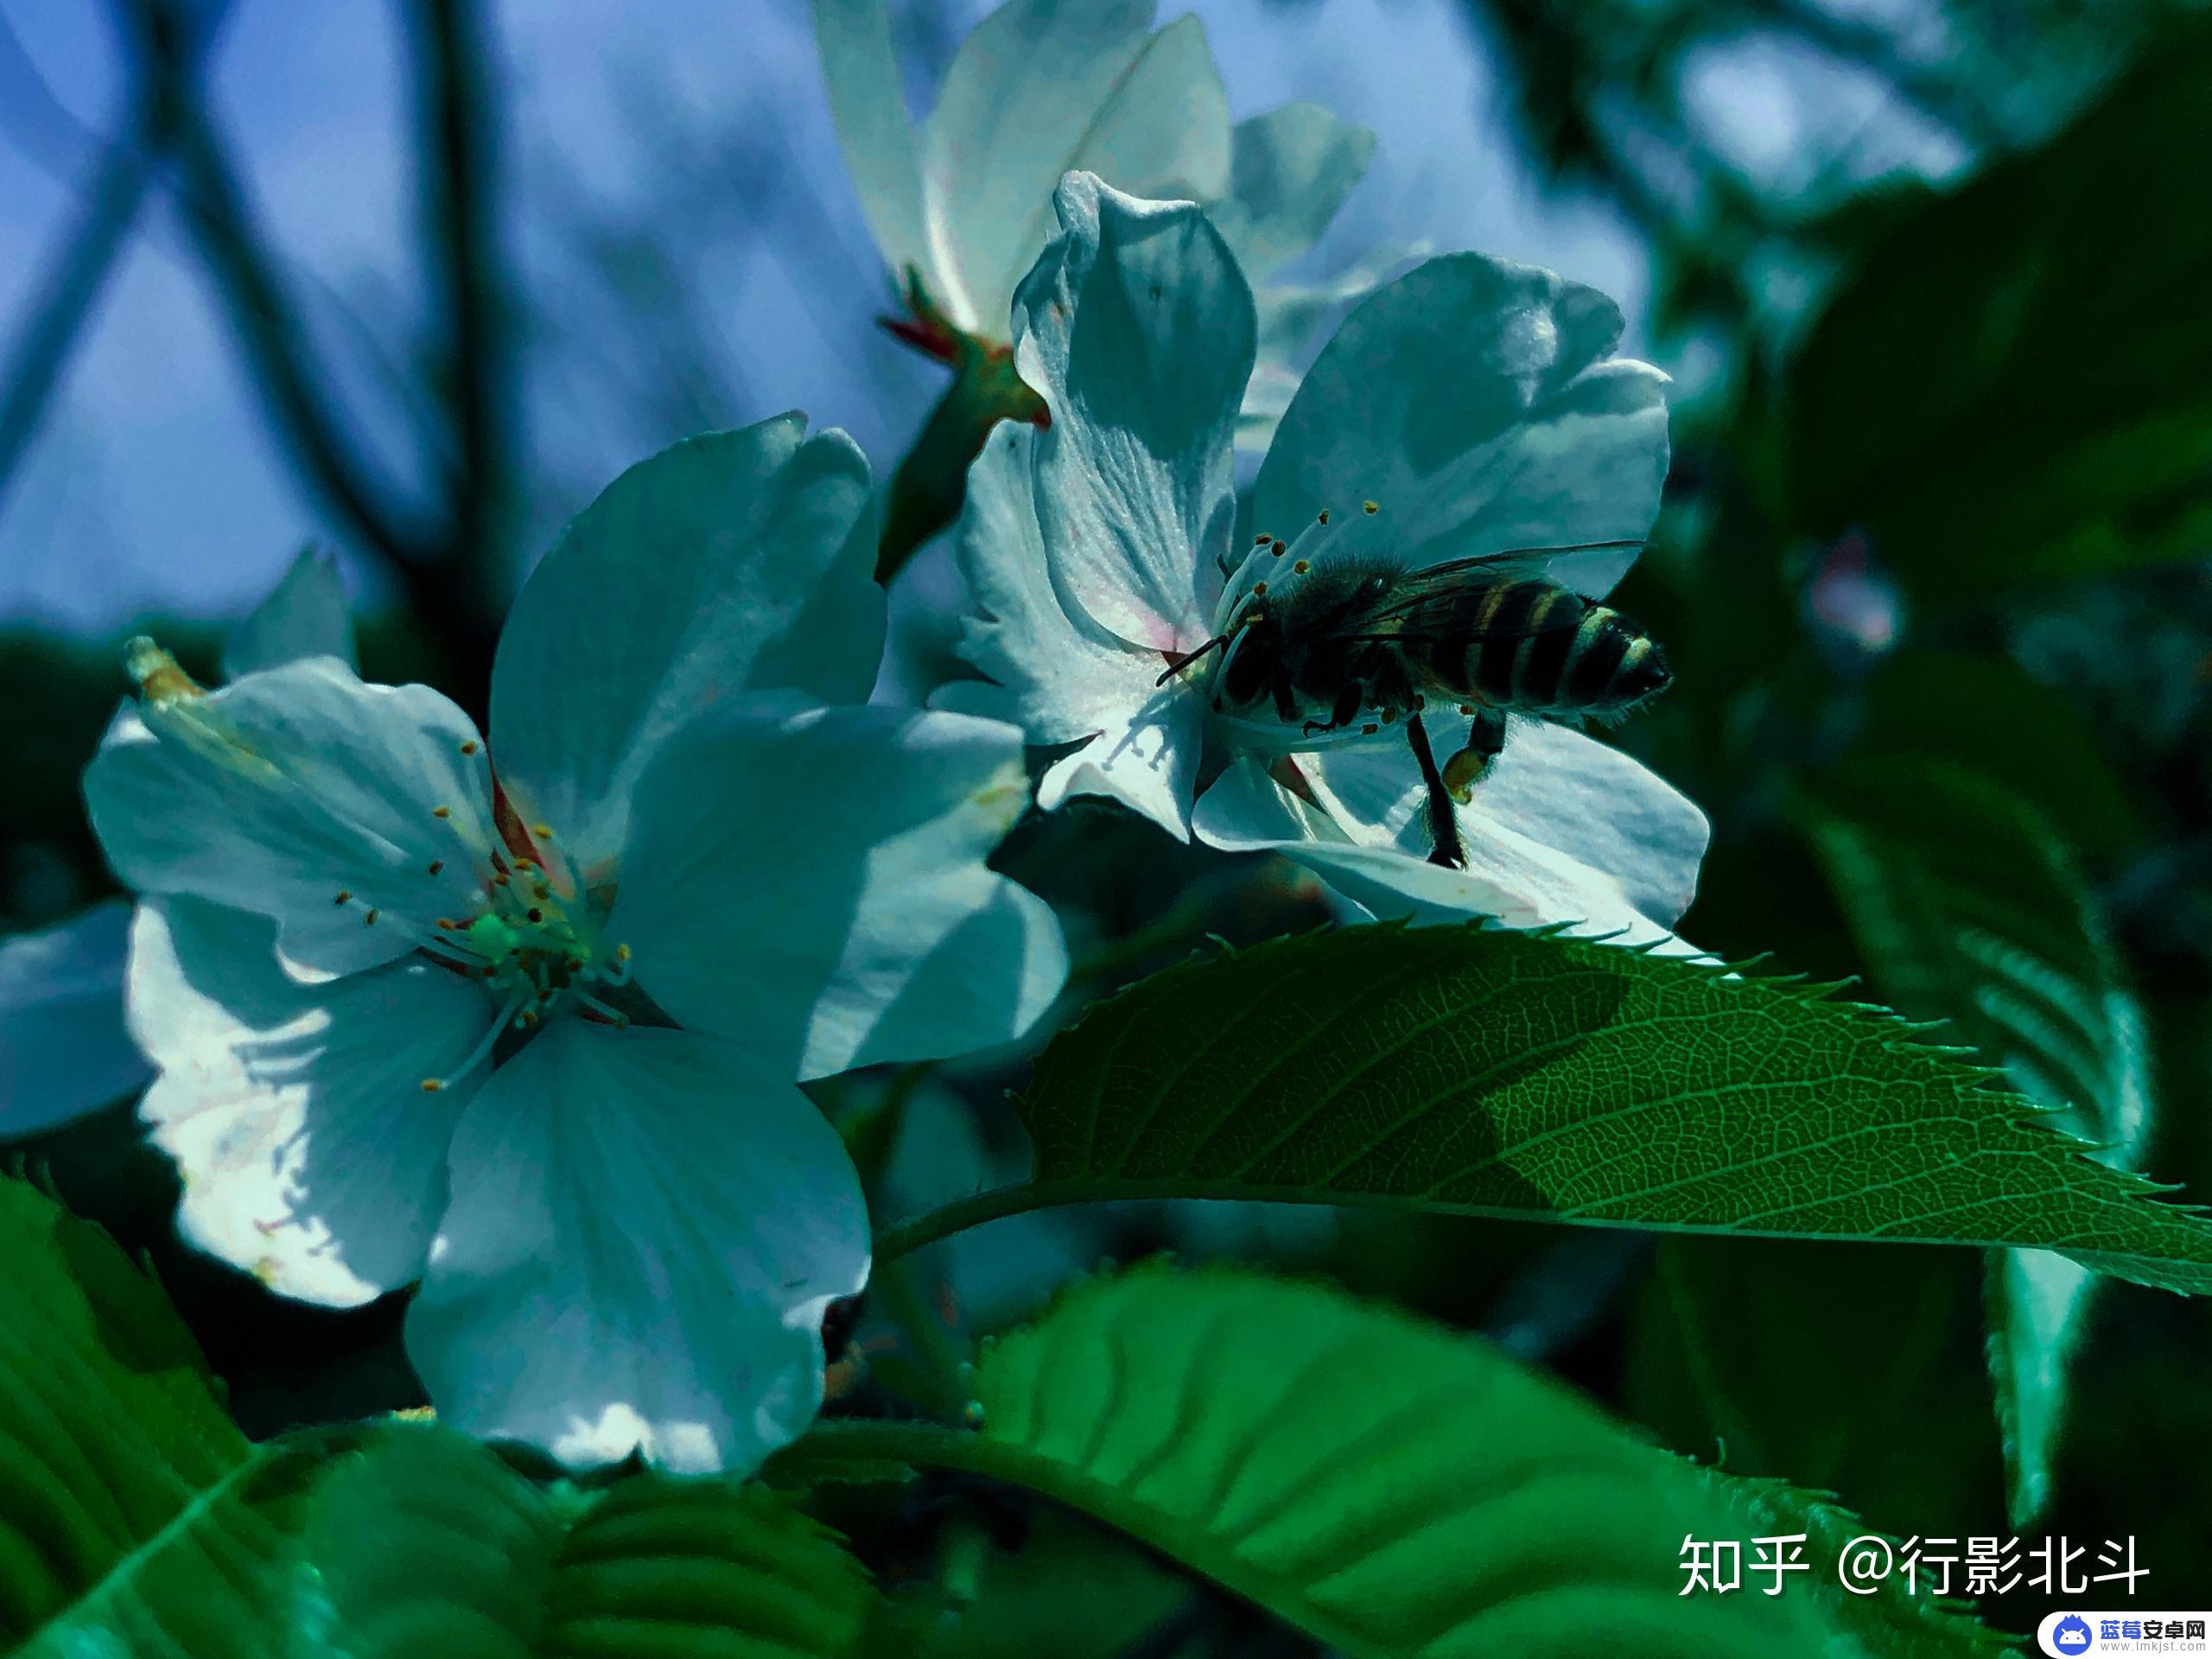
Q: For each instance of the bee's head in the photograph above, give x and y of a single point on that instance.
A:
(1247, 666)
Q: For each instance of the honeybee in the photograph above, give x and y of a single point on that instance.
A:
(1337, 645)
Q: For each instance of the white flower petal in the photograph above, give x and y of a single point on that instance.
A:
(1137, 329)
(812, 885)
(1509, 878)
(1560, 788)
(1062, 670)
(1244, 810)
(63, 1050)
(868, 104)
(1361, 828)
(281, 791)
(645, 1228)
(1163, 134)
(1066, 680)
(1553, 787)
(1148, 761)
(1290, 169)
(1291, 314)
(303, 616)
(312, 1156)
(730, 562)
(1476, 401)
(1017, 100)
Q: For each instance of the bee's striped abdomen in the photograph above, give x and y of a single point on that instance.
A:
(1539, 648)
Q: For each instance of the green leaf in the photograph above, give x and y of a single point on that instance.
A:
(2016, 386)
(1385, 1485)
(1072, 1590)
(428, 1544)
(1509, 1074)
(134, 1517)
(1855, 1371)
(1966, 908)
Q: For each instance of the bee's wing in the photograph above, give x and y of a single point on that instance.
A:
(1590, 569)
(1409, 593)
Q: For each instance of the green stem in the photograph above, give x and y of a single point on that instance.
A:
(974, 1211)
(939, 1352)
(930, 485)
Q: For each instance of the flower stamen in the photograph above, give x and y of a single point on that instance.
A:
(478, 1055)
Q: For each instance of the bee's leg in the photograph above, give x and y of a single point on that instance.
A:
(1485, 738)
(1443, 827)
(1350, 702)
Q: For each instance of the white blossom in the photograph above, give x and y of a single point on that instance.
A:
(1470, 407)
(523, 1019)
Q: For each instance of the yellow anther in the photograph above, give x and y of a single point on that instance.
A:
(370, 920)
(1303, 566)
(470, 747)
(1370, 506)
(441, 812)
(345, 896)
(1262, 539)
(542, 831)
(1258, 589)
(622, 953)
(1325, 515)
(431, 1085)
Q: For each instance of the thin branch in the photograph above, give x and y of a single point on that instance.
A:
(60, 145)
(420, 549)
(36, 121)
(72, 287)
(229, 242)
(87, 256)
(459, 147)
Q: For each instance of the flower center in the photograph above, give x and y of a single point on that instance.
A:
(1271, 556)
(532, 936)
(533, 944)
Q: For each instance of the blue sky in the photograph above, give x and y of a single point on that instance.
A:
(154, 487)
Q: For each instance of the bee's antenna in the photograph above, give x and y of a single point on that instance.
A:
(1188, 657)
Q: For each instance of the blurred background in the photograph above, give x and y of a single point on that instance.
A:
(409, 282)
